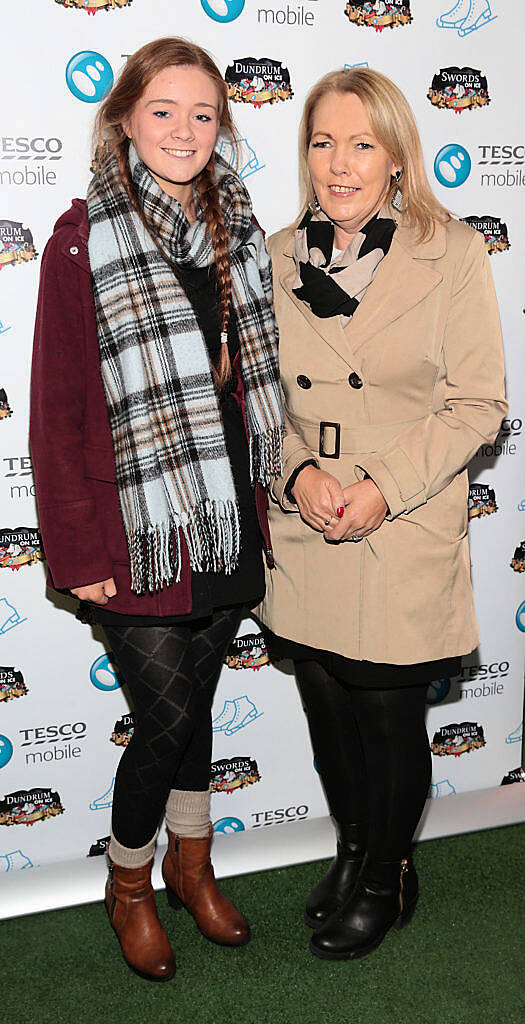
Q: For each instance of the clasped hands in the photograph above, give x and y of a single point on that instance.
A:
(340, 513)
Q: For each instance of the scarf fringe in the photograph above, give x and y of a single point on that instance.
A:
(266, 456)
(212, 537)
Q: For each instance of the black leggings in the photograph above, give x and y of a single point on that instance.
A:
(172, 673)
(372, 752)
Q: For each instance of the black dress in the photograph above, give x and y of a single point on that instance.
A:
(246, 585)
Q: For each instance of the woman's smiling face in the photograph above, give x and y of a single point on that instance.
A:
(351, 171)
(174, 126)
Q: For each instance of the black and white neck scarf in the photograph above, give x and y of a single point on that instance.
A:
(173, 471)
(334, 286)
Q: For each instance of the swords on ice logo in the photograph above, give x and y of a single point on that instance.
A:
(247, 651)
(92, 6)
(518, 559)
(481, 501)
(457, 738)
(21, 546)
(516, 775)
(123, 730)
(458, 89)
(5, 408)
(258, 80)
(11, 683)
(494, 231)
(379, 14)
(99, 848)
(16, 243)
(233, 773)
(467, 16)
(27, 806)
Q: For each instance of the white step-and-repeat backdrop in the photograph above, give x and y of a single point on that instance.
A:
(64, 720)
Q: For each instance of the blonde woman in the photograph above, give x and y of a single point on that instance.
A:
(155, 347)
(392, 370)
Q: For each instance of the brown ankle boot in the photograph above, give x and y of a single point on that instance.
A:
(190, 882)
(130, 902)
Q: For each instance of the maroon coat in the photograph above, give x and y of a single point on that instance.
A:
(71, 442)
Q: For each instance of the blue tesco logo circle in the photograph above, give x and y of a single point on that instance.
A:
(520, 617)
(438, 690)
(103, 674)
(89, 76)
(225, 826)
(223, 10)
(452, 165)
(6, 750)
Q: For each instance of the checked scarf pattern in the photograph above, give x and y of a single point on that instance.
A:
(334, 286)
(173, 471)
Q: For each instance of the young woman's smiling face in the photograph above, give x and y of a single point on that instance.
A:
(351, 172)
(174, 127)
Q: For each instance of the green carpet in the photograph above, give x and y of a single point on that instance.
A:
(459, 962)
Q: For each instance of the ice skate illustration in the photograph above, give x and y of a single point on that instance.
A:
(242, 156)
(235, 715)
(106, 800)
(516, 735)
(9, 617)
(467, 16)
(14, 861)
(442, 788)
(3, 329)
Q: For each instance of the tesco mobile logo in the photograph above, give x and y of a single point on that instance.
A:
(223, 10)
(103, 674)
(520, 617)
(89, 76)
(225, 826)
(6, 751)
(452, 165)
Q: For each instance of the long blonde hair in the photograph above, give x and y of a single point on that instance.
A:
(394, 127)
(110, 137)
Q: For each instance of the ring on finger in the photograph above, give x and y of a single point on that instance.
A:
(327, 522)
(355, 537)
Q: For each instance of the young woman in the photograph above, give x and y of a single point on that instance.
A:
(155, 348)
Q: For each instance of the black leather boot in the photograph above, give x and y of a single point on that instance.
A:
(337, 884)
(385, 896)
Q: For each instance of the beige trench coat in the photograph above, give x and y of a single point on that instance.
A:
(416, 383)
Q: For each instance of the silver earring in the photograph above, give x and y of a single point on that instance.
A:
(397, 199)
(314, 206)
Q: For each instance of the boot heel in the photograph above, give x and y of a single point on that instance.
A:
(174, 901)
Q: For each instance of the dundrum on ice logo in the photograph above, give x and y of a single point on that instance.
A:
(16, 244)
(123, 730)
(481, 501)
(230, 774)
(379, 14)
(258, 80)
(28, 806)
(247, 651)
(458, 89)
(5, 409)
(494, 231)
(93, 6)
(21, 546)
(518, 559)
(457, 738)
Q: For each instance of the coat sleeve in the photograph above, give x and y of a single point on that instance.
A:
(425, 458)
(73, 539)
(295, 451)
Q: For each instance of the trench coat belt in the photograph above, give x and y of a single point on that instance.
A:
(330, 440)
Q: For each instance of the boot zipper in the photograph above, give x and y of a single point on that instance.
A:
(404, 869)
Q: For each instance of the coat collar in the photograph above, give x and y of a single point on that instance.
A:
(405, 277)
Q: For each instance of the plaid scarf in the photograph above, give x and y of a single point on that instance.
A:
(331, 286)
(173, 471)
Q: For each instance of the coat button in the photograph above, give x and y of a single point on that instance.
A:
(74, 250)
(304, 382)
(355, 381)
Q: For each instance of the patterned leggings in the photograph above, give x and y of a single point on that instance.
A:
(171, 673)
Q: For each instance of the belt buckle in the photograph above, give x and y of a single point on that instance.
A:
(337, 441)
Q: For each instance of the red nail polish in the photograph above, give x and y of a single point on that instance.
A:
(340, 511)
